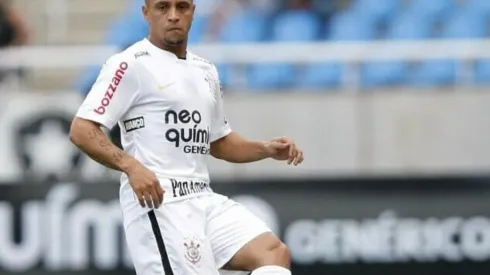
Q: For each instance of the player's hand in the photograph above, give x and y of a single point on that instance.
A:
(284, 148)
(146, 186)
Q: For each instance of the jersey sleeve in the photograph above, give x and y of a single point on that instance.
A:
(113, 93)
(220, 126)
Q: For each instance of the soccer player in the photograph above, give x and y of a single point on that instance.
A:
(168, 104)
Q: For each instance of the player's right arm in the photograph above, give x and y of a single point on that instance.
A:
(112, 95)
(90, 138)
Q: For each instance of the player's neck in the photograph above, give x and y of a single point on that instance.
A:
(180, 51)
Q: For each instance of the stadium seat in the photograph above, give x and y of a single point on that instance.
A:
(247, 26)
(291, 26)
(465, 24)
(407, 26)
(323, 75)
(482, 72)
(462, 25)
(127, 28)
(294, 26)
(433, 9)
(344, 26)
(325, 8)
(351, 26)
(377, 10)
(481, 7)
(198, 29)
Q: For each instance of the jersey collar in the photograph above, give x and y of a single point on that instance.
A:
(157, 50)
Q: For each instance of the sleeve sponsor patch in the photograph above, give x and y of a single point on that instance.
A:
(134, 124)
(112, 88)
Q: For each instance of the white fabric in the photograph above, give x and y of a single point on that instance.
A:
(271, 270)
(169, 111)
(201, 234)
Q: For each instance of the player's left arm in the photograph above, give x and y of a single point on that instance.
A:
(237, 149)
(232, 147)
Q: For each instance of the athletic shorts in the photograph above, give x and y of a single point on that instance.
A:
(196, 236)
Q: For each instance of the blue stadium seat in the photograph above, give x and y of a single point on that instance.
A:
(344, 26)
(198, 29)
(407, 26)
(351, 26)
(248, 26)
(245, 27)
(292, 26)
(482, 72)
(128, 28)
(435, 72)
(433, 9)
(324, 7)
(271, 76)
(383, 73)
(463, 24)
(481, 7)
(378, 10)
(323, 75)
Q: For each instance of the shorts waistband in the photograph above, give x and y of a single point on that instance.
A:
(183, 187)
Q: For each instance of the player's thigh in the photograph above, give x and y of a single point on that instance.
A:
(231, 228)
(171, 241)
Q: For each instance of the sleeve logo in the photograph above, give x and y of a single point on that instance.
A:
(111, 90)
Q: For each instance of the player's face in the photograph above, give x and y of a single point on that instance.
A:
(170, 20)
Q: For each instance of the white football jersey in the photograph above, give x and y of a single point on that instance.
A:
(169, 111)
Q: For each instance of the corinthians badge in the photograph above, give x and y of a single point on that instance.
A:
(193, 250)
(213, 87)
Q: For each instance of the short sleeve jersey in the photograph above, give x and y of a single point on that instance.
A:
(169, 111)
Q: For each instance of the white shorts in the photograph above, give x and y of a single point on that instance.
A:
(194, 236)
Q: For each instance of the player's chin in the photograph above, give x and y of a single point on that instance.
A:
(174, 40)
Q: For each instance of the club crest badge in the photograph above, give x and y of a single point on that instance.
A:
(212, 84)
(192, 250)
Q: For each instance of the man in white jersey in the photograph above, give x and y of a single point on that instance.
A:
(168, 104)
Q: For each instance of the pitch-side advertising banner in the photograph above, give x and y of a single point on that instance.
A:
(424, 227)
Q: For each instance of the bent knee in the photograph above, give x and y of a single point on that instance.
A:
(265, 250)
(278, 255)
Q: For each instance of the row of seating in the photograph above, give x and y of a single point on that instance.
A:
(372, 75)
(364, 20)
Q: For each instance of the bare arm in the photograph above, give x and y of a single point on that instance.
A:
(88, 136)
(23, 34)
(86, 133)
(236, 149)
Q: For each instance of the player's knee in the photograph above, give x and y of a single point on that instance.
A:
(284, 255)
(279, 255)
(276, 261)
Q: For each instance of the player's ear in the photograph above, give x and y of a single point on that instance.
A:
(145, 11)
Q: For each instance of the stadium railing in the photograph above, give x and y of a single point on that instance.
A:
(352, 53)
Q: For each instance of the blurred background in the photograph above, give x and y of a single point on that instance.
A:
(389, 99)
